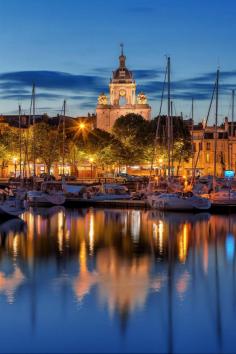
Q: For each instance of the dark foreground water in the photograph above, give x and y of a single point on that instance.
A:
(117, 281)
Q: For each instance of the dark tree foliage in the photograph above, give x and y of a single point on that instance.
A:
(134, 133)
(132, 141)
(139, 137)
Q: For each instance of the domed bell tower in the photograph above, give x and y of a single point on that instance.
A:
(122, 98)
(122, 85)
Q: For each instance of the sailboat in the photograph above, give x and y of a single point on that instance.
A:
(51, 192)
(175, 201)
(178, 201)
(10, 206)
(223, 195)
(47, 196)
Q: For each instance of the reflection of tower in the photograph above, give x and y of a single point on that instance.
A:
(123, 284)
(83, 283)
(9, 284)
(123, 98)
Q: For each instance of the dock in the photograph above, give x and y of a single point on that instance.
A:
(140, 204)
(217, 207)
(226, 206)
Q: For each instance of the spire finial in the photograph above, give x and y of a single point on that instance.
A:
(122, 48)
(122, 57)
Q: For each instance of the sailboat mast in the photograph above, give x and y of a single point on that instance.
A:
(216, 129)
(63, 137)
(232, 129)
(192, 117)
(169, 118)
(20, 140)
(34, 142)
(171, 138)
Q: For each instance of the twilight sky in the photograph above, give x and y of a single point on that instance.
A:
(70, 47)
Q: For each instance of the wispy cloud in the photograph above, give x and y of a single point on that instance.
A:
(84, 89)
(47, 96)
(51, 80)
(199, 87)
(142, 74)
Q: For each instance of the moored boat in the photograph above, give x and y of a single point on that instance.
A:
(178, 202)
(225, 196)
(11, 207)
(51, 193)
(109, 192)
(45, 199)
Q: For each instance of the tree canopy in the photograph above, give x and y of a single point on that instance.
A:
(131, 141)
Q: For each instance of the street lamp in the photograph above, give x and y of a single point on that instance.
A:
(160, 163)
(15, 161)
(91, 166)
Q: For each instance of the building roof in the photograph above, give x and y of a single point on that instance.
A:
(122, 74)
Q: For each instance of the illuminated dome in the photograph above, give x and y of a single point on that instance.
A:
(122, 74)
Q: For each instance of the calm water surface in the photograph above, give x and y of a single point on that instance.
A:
(94, 280)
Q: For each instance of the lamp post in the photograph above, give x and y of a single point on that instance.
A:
(15, 161)
(81, 129)
(91, 166)
(160, 162)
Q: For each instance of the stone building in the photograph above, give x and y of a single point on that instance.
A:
(203, 148)
(122, 100)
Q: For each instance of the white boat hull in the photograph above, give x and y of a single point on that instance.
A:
(11, 208)
(178, 203)
(36, 198)
(228, 197)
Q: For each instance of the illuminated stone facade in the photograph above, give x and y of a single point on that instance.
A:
(122, 100)
(203, 149)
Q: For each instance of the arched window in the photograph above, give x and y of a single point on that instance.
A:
(122, 101)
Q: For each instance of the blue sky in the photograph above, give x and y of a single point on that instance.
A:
(70, 47)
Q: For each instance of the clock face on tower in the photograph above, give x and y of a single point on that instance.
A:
(122, 93)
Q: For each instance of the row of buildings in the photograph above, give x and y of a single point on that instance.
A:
(203, 147)
(123, 99)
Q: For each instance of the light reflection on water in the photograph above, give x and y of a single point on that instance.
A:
(94, 280)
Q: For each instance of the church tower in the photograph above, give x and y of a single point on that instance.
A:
(123, 98)
(122, 86)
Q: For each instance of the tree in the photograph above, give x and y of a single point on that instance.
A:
(9, 146)
(181, 143)
(47, 144)
(133, 131)
(101, 145)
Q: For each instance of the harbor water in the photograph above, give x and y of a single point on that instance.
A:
(117, 281)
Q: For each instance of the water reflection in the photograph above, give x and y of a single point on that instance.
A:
(166, 280)
(9, 284)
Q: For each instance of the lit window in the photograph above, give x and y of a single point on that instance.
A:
(207, 157)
